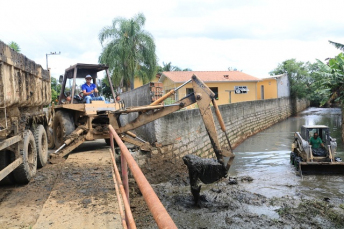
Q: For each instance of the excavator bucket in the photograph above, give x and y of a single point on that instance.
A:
(322, 167)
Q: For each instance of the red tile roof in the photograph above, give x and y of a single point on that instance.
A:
(208, 76)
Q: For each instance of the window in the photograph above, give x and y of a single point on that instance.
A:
(216, 91)
(240, 89)
(189, 91)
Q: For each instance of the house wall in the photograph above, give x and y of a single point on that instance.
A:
(283, 86)
(138, 97)
(137, 82)
(223, 95)
(270, 89)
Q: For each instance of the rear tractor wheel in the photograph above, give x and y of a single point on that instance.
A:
(50, 136)
(63, 126)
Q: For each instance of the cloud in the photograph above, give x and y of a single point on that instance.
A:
(202, 35)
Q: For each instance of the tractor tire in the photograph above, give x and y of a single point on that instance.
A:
(63, 126)
(41, 141)
(5, 160)
(28, 168)
(297, 161)
(292, 157)
(50, 136)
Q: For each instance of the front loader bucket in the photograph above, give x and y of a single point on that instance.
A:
(322, 167)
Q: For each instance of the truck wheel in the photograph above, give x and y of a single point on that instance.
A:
(5, 160)
(50, 136)
(63, 126)
(28, 168)
(41, 141)
(292, 157)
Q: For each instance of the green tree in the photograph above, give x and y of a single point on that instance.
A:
(299, 77)
(128, 50)
(13, 45)
(55, 89)
(331, 80)
(168, 67)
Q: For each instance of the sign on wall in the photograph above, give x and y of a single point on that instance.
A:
(240, 89)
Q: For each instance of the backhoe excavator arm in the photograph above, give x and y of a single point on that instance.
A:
(202, 95)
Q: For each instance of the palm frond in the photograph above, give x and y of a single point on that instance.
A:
(337, 45)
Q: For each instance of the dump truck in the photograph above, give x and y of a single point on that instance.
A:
(315, 160)
(24, 92)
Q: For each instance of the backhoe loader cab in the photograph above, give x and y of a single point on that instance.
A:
(308, 159)
(73, 115)
(74, 78)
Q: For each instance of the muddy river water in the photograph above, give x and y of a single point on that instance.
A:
(265, 157)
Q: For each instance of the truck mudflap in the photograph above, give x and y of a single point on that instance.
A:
(321, 167)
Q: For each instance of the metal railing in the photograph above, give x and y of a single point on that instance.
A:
(160, 215)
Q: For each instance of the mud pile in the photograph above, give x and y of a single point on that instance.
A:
(226, 204)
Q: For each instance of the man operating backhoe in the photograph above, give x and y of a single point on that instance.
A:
(88, 90)
(316, 142)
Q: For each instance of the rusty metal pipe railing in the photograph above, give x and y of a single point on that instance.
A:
(123, 219)
(160, 215)
(124, 190)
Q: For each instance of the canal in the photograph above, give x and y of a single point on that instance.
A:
(267, 192)
(265, 158)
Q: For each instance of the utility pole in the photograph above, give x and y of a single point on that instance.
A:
(230, 95)
(51, 53)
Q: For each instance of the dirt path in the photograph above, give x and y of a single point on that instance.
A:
(80, 194)
(76, 194)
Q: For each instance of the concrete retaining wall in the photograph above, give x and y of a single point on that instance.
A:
(183, 132)
(139, 97)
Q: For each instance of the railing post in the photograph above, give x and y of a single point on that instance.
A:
(124, 168)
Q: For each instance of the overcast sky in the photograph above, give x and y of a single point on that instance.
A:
(252, 36)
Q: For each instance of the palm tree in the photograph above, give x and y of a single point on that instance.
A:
(337, 45)
(128, 50)
(13, 45)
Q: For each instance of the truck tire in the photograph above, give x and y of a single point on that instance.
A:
(28, 168)
(50, 136)
(41, 141)
(63, 126)
(5, 160)
(292, 157)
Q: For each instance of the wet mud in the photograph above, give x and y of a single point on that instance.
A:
(263, 189)
(203, 170)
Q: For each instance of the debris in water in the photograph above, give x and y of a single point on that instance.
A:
(247, 178)
(206, 170)
(232, 180)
